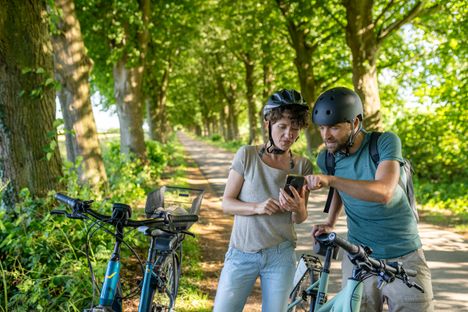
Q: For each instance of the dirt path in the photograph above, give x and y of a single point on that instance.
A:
(447, 252)
(214, 227)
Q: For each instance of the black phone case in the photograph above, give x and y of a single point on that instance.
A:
(296, 181)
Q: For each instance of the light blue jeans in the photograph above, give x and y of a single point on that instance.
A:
(275, 266)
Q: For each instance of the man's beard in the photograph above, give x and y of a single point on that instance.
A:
(337, 145)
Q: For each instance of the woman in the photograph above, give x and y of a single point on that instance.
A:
(263, 237)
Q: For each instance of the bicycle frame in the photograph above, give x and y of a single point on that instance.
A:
(161, 247)
(157, 254)
(348, 299)
(108, 296)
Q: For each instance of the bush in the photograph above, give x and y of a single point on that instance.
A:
(43, 258)
(437, 146)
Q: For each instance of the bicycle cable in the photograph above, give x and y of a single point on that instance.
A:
(101, 225)
(89, 235)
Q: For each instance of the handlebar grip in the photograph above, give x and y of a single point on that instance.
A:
(350, 248)
(411, 273)
(66, 200)
(184, 218)
(58, 212)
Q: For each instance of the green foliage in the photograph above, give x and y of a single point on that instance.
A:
(436, 144)
(43, 257)
(232, 145)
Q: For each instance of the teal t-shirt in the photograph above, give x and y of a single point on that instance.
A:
(389, 229)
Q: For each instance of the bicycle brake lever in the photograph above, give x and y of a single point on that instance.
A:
(75, 216)
(413, 284)
(188, 233)
(418, 287)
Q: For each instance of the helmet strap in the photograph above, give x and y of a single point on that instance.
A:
(352, 136)
(271, 148)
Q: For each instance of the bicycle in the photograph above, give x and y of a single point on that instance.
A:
(311, 279)
(170, 212)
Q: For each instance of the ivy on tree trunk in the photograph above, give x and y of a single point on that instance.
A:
(29, 155)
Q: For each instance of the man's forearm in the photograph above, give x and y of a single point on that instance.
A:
(374, 191)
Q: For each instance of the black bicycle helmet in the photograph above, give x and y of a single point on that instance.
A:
(337, 105)
(282, 98)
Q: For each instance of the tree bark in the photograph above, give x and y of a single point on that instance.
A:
(29, 155)
(252, 110)
(163, 130)
(72, 67)
(152, 116)
(127, 84)
(267, 92)
(364, 38)
(361, 38)
(128, 93)
(305, 70)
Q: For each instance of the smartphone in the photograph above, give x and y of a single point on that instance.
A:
(294, 180)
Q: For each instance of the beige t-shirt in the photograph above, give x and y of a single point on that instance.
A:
(256, 232)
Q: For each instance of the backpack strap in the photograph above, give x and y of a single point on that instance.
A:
(330, 164)
(373, 149)
(374, 153)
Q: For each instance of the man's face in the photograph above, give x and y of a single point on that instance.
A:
(336, 137)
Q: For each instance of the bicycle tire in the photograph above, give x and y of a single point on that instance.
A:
(164, 292)
(308, 300)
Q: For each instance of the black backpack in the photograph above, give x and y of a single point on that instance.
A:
(374, 152)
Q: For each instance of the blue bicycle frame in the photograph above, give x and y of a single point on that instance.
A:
(109, 288)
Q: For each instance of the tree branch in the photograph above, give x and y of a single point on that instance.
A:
(332, 15)
(397, 24)
(389, 5)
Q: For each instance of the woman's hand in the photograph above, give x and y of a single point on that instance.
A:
(269, 207)
(296, 203)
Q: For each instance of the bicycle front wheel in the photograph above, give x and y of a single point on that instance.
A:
(167, 271)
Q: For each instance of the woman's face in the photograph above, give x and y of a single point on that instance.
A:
(284, 132)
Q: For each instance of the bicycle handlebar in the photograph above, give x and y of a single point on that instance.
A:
(84, 207)
(360, 254)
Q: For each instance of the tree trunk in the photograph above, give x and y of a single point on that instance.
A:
(72, 68)
(305, 70)
(303, 62)
(252, 110)
(152, 117)
(127, 84)
(29, 155)
(267, 92)
(70, 138)
(163, 129)
(362, 40)
(128, 93)
(222, 123)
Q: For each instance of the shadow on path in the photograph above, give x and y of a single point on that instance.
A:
(446, 252)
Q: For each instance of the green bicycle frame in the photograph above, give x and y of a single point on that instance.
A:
(347, 300)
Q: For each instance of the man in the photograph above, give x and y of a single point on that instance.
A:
(377, 209)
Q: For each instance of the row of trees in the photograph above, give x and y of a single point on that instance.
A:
(205, 65)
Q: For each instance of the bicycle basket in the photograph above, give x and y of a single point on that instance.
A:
(177, 200)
